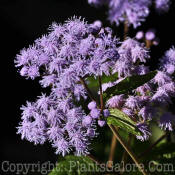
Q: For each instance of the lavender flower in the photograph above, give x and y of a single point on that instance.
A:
(166, 121)
(135, 11)
(131, 51)
(87, 120)
(144, 130)
(106, 112)
(134, 102)
(95, 113)
(147, 113)
(101, 123)
(168, 61)
(116, 101)
(139, 35)
(132, 12)
(162, 5)
(150, 35)
(92, 105)
(161, 78)
(69, 51)
(128, 112)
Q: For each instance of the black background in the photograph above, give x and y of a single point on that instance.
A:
(21, 22)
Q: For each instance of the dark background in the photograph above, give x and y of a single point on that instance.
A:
(21, 22)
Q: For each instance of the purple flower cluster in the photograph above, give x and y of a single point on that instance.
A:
(97, 114)
(59, 122)
(132, 11)
(149, 35)
(162, 5)
(132, 53)
(70, 52)
(150, 100)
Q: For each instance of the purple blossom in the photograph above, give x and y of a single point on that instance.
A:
(162, 78)
(169, 68)
(106, 112)
(128, 112)
(144, 129)
(131, 51)
(48, 80)
(134, 102)
(92, 105)
(135, 11)
(87, 120)
(168, 61)
(101, 123)
(147, 113)
(62, 146)
(116, 101)
(166, 121)
(162, 5)
(150, 34)
(139, 53)
(161, 97)
(141, 70)
(132, 12)
(95, 113)
(144, 90)
(140, 35)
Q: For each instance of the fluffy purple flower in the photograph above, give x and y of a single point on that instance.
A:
(24, 71)
(168, 61)
(143, 90)
(162, 78)
(161, 97)
(92, 105)
(128, 112)
(141, 70)
(139, 53)
(162, 5)
(87, 120)
(47, 119)
(131, 52)
(150, 35)
(134, 102)
(169, 68)
(169, 88)
(146, 112)
(62, 146)
(101, 123)
(144, 129)
(135, 11)
(48, 80)
(116, 101)
(106, 112)
(139, 35)
(95, 113)
(166, 121)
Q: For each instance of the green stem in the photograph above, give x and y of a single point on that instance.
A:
(132, 155)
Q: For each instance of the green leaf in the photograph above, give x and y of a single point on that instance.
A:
(92, 82)
(129, 84)
(123, 121)
(74, 165)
